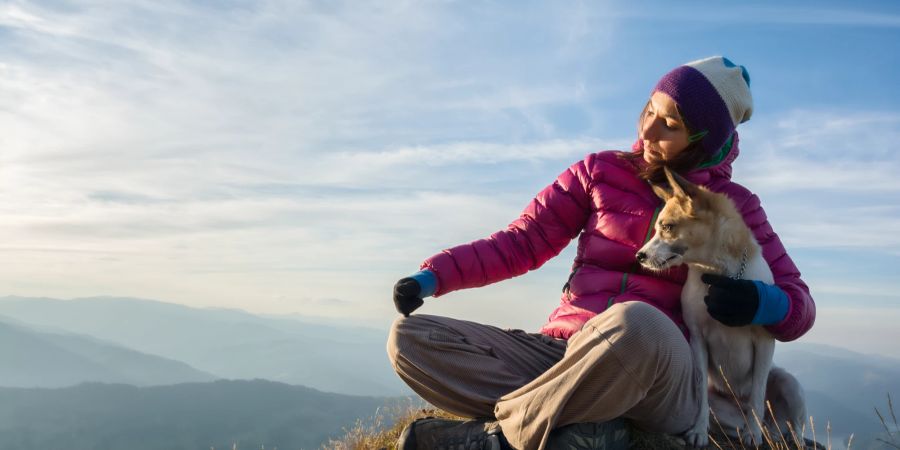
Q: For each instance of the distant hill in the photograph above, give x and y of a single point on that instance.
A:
(251, 414)
(230, 344)
(843, 388)
(30, 358)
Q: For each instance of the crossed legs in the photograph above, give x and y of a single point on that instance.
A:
(630, 361)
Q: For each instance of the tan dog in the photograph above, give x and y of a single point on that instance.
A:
(704, 230)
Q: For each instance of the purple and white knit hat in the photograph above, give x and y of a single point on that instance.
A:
(713, 95)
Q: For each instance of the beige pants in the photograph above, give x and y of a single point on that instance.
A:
(631, 361)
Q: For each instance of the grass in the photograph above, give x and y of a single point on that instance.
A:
(890, 435)
(383, 429)
(778, 439)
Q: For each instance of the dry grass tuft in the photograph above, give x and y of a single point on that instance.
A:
(889, 435)
(383, 429)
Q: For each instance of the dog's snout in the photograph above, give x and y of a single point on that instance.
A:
(641, 256)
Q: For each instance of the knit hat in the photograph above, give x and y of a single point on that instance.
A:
(713, 95)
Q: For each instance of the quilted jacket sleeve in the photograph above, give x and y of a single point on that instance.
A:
(802, 310)
(550, 221)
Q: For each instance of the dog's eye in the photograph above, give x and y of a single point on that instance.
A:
(666, 227)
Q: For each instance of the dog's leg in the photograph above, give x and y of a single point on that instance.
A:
(727, 415)
(698, 435)
(763, 351)
(785, 394)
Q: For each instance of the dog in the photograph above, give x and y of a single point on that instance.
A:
(704, 230)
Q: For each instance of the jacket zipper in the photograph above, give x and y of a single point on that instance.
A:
(646, 239)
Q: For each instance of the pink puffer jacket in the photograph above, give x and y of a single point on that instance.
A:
(602, 199)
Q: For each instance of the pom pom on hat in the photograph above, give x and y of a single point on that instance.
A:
(713, 95)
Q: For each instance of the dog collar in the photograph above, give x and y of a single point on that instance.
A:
(740, 274)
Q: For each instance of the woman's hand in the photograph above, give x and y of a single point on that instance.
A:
(407, 298)
(743, 302)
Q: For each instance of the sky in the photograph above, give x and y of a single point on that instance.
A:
(298, 157)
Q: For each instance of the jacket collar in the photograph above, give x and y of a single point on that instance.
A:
(719, 165)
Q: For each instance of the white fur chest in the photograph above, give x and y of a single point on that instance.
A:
(731, 349)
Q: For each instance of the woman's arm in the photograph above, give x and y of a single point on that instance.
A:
(550, 221)
(801, 312)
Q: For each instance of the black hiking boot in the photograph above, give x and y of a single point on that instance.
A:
(444, 434)
(612, 435)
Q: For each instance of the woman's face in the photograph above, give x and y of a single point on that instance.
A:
(662, 130)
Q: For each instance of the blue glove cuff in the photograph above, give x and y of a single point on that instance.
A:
(773, 304)
(427, 281)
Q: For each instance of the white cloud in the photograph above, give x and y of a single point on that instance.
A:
(16, 16)
(257, 155)
(841, 228)
(297, 78)
(860, 291)
(151, 100)
(825, 178)
(859, 328)
(823, 150)
(250, 154)
(781, 174)
(782, 14)
(429, 159)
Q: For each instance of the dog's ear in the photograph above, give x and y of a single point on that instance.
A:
(685, 192)
(680, 186)
(662, 192)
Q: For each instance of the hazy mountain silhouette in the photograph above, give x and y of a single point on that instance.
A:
(39, 359)
(843, 388)
(251, 414)
(227, 343)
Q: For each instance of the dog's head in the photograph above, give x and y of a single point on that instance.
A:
(684, 227)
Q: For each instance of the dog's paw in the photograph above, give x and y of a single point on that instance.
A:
(751, 436)
(697, 436)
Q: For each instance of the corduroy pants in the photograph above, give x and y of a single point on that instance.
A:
(630, 361)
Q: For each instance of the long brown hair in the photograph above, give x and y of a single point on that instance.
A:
(687, 160)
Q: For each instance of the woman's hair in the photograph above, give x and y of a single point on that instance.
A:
(688, 159)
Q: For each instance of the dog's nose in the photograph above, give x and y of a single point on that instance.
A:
(641, 256)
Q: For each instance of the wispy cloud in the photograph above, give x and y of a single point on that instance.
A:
(283, 76)
(857, 327)
(274, 155)
(842, 228)
(139, 100)
(819, 14)
(827, 178)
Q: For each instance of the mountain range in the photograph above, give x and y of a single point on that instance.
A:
(33, 358)
(216, 415)
(228, 344)
(843, 388)
(49, 343)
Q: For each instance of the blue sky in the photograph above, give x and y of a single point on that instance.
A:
(299, 157)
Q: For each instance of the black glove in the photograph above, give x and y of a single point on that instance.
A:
(732, 302)
(406, 296)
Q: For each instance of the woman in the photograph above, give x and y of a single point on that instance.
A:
(616, 346)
